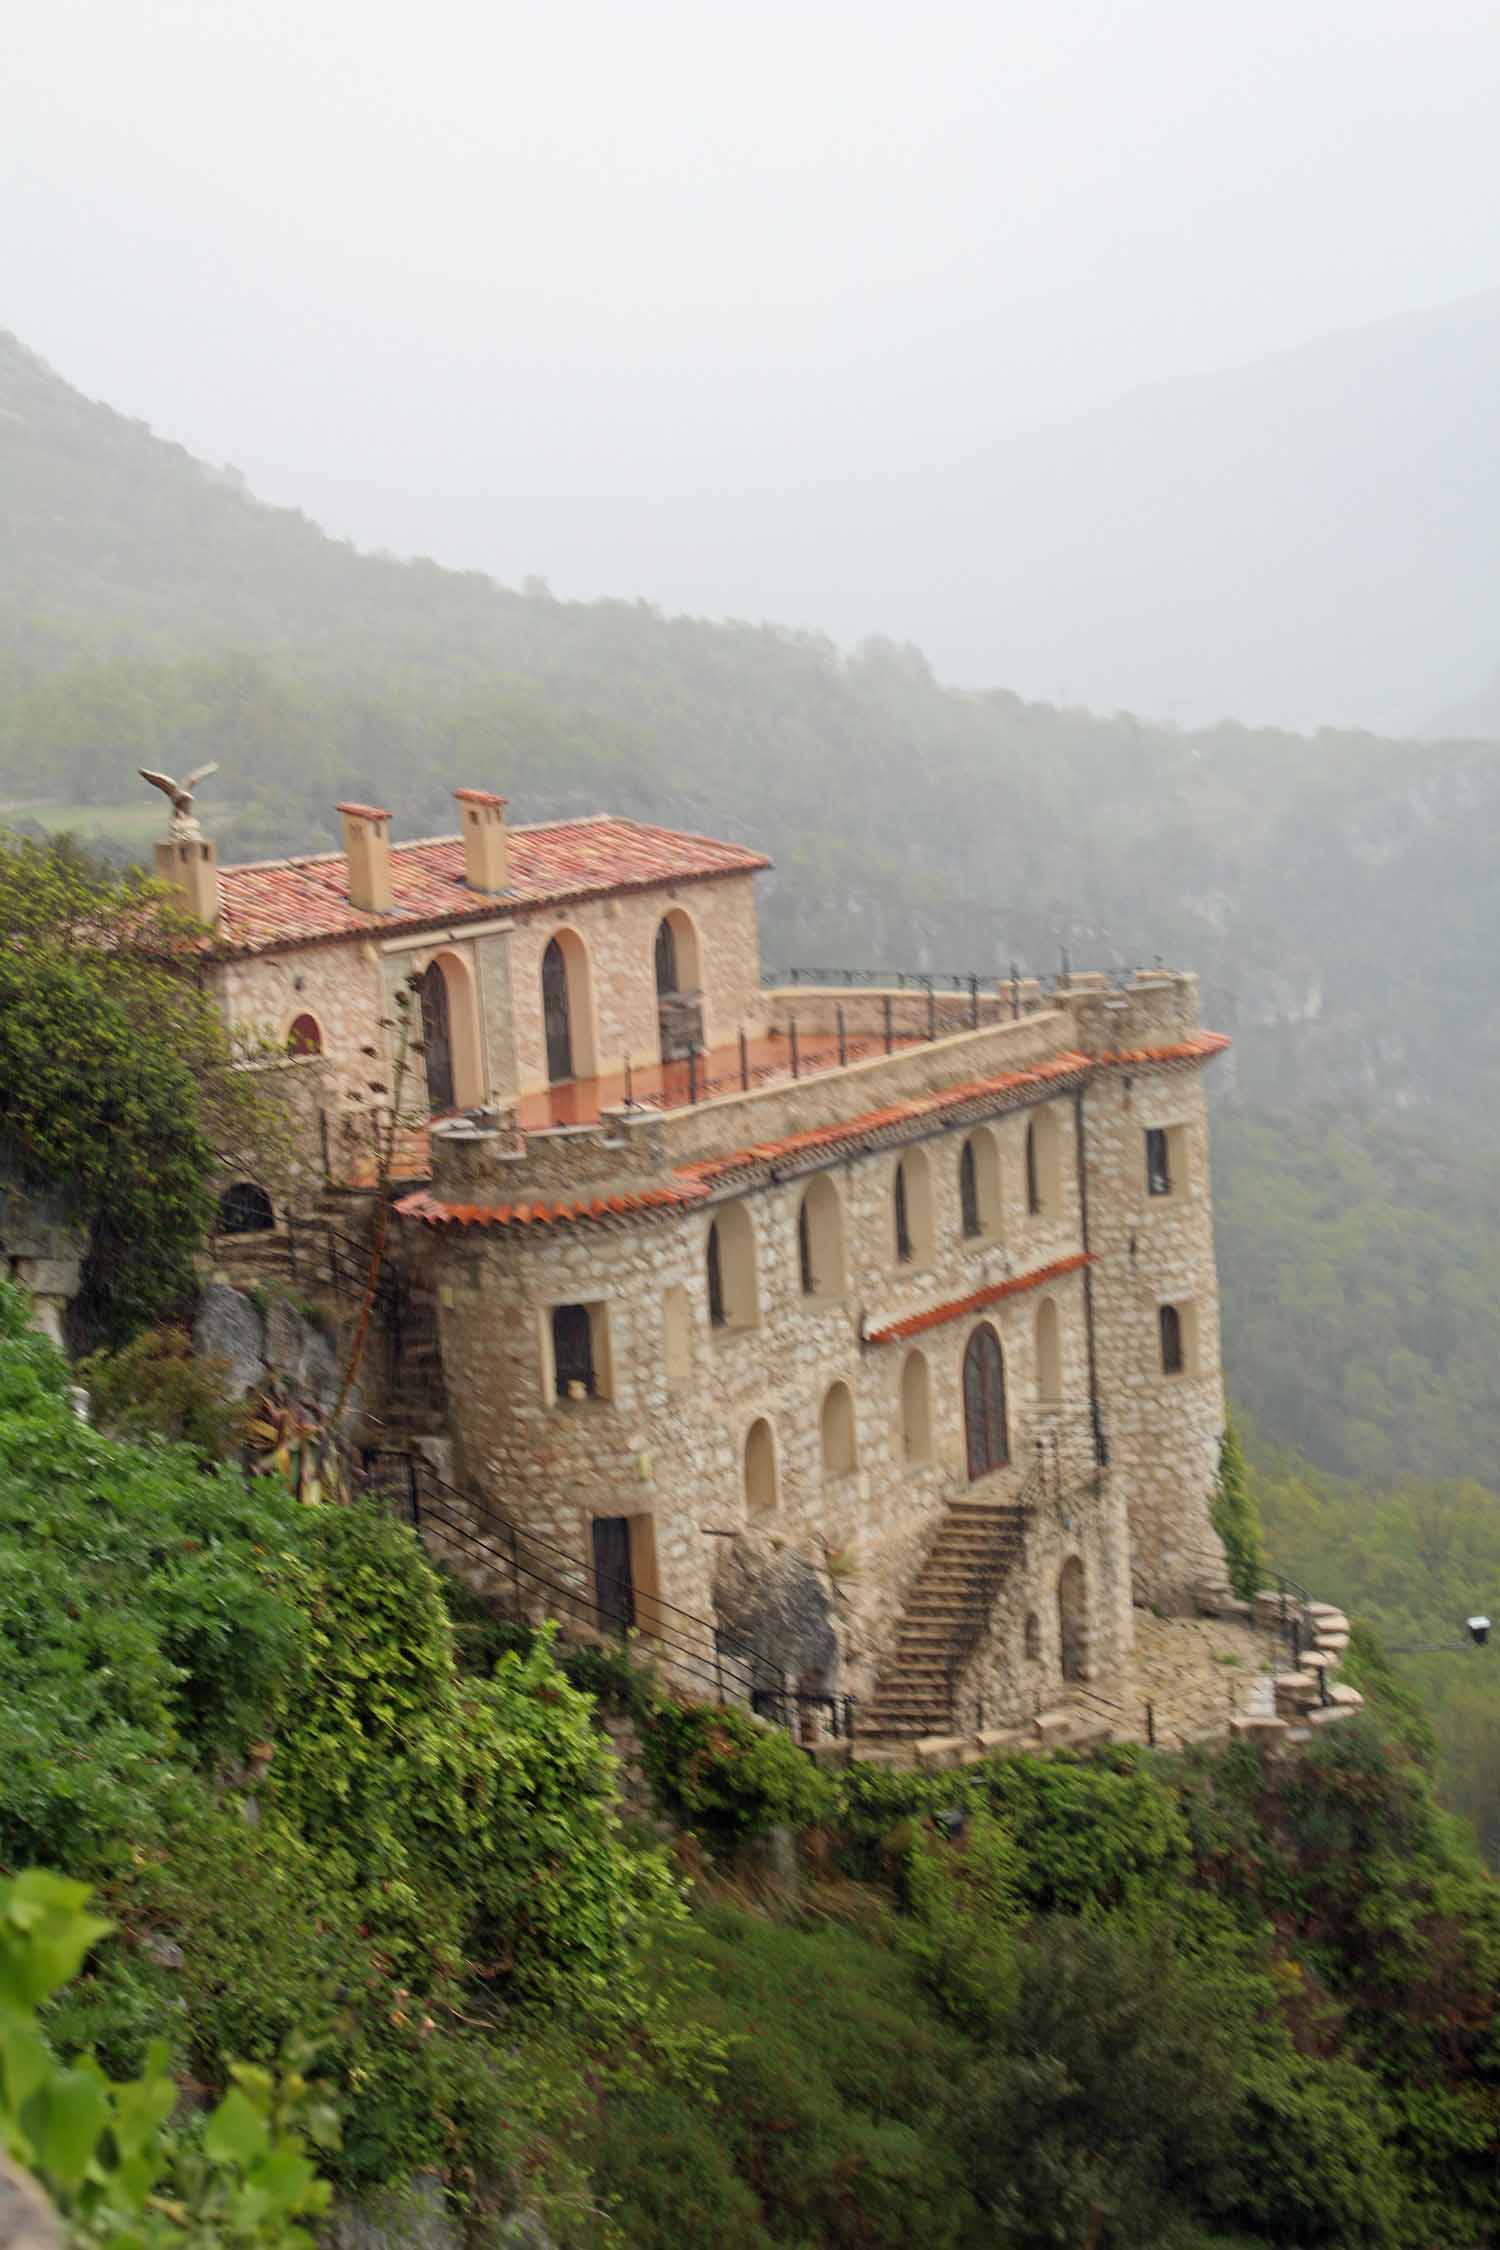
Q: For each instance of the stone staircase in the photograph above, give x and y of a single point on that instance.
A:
(977, 1546)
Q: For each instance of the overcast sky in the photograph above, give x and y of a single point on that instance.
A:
(499, 281)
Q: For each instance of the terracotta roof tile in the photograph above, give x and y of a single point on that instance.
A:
(285, 902)
(936, 1316)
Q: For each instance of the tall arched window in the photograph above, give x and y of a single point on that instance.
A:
(820, 1240)
(916, 1410)
(968, 1191)
(1043, 1165)
(911, 1208)
(245, 1208)
(437, 1039)
(837, 1426)
(902, 1216)
(557, 1014)
(979, 1186)
(666, 960)
(760, 1469)
(984, 1403)
(305, 1036)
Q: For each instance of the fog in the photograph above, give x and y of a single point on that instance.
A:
(752, 311)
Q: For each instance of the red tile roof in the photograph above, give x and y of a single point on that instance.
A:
(916, 1324)
(708, 1178)
(288, 902)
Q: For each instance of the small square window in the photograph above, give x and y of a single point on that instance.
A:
(580, 1351)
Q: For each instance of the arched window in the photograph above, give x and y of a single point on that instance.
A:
(1072, 1620)
(902, 1216)
(679, 982)
(437, 1040)
(1048, 1353)
(911, 1208)
(968, 1191)
(666, 959)
(557, 1013)
(1033, 1638)
(1043, 1165)
(916, 1410)
(760, 1469)
(305, 1036)
(820, 1240)
(1169, 1321)
(733, 1300)
(837, 1423)
(245, 1208)
(979, 1186)
(984, 1403)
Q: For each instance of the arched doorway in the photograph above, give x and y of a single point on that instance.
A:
(985, 1425)
(679, 996)
(1072, 1621)
(437, 1040)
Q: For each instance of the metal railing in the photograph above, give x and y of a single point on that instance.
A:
(547, 1577)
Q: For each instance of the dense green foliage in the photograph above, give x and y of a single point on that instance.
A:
(117, 1091)
(155, 1386)
(121, 2175)
(242, 1720)
(1235, 1517)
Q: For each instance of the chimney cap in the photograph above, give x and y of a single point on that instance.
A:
(480, 797)
(364, 812)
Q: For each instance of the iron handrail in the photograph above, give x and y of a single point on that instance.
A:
(425, 1489)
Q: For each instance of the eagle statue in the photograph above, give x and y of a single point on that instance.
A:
(181, 794)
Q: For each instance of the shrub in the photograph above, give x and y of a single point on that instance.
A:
(723, 1773)
(155, 1387)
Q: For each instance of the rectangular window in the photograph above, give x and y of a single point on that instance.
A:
(1158, 1161)
(579, 1338)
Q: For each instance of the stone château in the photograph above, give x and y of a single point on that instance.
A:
(878, 1325)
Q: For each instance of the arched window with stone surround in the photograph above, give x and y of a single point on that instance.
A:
(305, 1036)
(979, 1186)
(985, 1425)
(820, 1240)
(840, 1454)
(916, 1410)
(761, 1486)
(1043, 1164)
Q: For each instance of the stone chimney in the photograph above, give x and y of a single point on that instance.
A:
(190, 863)
(367, 846)
(486, 850)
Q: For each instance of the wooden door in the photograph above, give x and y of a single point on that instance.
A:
(555, 1014)
(437, 1041)
(614, 1583)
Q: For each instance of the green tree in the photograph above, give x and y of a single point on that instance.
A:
(118, 1081)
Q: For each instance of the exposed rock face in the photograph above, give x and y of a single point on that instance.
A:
(780, 1605)
(271, 1336)
(229, 1327)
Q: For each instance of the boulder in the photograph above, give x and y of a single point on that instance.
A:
(229, 1327)
(781, 1606)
